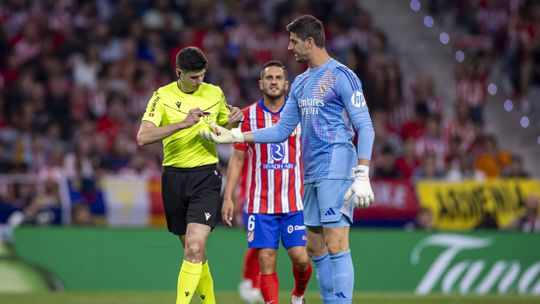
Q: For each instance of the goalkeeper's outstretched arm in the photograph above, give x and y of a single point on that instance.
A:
(288, 121)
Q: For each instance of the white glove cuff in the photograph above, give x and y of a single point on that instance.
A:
(361, 171)
(237, 135)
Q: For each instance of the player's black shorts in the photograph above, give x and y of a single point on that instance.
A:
(191, 195)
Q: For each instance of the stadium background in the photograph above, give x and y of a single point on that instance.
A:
(453, 88)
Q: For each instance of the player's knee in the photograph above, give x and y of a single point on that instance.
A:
(315, 250)
(267, 255)
(300, 262)
(335, 245)
(267, 261)
(194, 252)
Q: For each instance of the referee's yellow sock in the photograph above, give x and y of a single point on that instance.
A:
(205, 288)
(188, 279)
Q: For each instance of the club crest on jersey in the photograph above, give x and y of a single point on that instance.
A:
(250, 236)
(207, 118)
(278, 151)
(358, 100)
(323, 87)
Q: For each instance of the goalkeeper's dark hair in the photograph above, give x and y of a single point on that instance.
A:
(191, 59)
(275, 63)
(307, 26)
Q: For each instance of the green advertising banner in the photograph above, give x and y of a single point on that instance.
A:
(385, 260)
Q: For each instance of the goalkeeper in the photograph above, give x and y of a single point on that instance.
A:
(328, 101)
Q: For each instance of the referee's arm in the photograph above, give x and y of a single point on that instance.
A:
(150, 133)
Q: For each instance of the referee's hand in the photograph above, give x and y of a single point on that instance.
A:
(227, 211)
(192, 117)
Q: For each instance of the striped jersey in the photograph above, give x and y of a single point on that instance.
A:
(274, 174)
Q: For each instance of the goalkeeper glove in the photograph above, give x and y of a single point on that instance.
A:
(360, 191)
(220, 135)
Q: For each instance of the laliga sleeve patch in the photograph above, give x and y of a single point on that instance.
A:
(358, 100)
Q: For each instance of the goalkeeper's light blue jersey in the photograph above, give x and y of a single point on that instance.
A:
(329, 103)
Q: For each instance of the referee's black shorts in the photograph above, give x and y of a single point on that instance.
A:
(191, 195)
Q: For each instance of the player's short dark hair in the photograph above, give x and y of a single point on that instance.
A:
(191, 59)
(275, 63)
(307, 26)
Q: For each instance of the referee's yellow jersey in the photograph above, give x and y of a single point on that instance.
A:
(185, 148)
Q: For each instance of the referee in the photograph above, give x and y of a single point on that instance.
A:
(191, 182)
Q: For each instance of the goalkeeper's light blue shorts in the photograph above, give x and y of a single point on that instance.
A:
(324, 204)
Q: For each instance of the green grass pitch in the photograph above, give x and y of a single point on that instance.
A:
(232, 298)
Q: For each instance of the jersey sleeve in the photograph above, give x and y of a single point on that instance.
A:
(154, 110)
(223, 114)
(349, 89)
(245, 127)
(288, 121)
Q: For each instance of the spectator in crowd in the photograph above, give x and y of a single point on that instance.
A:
(433, 142)
(424, 220)
(81, 215)
(530, 220)
(408, 162)
(40, 209)
(429, 169)
(386, 165)
(464, 170)
(385, 133)
(461, 127)
(490, 159)
(471, 90)
(515, 168)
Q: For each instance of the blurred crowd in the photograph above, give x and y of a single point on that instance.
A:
(498, 31)
(76, 76)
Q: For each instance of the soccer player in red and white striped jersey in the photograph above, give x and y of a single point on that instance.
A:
(274, 190)
(274, 180)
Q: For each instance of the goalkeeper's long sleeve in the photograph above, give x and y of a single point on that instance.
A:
(288, 121)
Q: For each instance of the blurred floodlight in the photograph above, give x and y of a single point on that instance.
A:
(460, 56)
(415, 5)
(444, 38)
(428, 21)
(508, 105)
(492, 89)
(524, 122)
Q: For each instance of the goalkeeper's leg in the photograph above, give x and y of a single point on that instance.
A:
(337, 240)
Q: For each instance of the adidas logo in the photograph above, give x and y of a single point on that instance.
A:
(340, 295)
(207, 215)
(330, 211)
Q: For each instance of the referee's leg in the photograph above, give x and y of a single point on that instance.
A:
(194, 261)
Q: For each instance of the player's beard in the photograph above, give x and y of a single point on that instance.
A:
(272, 95)
(300, 58)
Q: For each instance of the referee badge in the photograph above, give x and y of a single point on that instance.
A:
(207, 118)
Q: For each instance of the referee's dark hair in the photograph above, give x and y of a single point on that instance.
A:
(191, 59)
(275, 63)
(307, 26)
